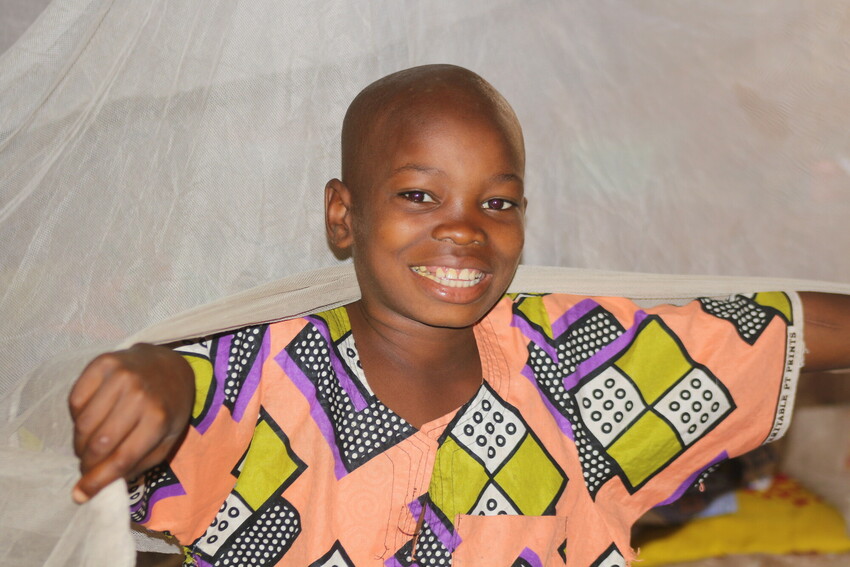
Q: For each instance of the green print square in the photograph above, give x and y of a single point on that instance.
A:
(645, 447)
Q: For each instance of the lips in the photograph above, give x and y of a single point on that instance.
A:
(450, 277)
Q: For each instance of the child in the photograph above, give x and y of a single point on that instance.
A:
(465, 427)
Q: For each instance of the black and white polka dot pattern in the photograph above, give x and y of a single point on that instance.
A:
(610, 558)
(141, 491)
(365, 434)
(430, 552)
(351, 358)
(582, 340)
(489, 429)
(749, 318)
(550, 376)
(586, 337)
(231, 517)
(138, 496)
(597, 468)
(494, 502)
(361, 435)
(609, 403)
(265, 539)
(520, 562)
(703, 476)
(244, 348)
(335, 557)
(694, 404)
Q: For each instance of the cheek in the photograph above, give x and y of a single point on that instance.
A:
(395, 235)
(512, 241)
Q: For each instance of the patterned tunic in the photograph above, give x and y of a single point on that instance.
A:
(592, 411)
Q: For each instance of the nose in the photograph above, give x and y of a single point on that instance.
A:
(460, 230)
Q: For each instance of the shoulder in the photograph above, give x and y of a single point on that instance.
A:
(545, 310)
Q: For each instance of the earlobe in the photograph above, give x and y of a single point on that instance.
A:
(337, 214)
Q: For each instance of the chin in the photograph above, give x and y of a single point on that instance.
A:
(453, 316)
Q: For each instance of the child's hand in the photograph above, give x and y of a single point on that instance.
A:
(130, 409)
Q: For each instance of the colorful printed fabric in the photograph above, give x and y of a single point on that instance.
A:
(592, 411)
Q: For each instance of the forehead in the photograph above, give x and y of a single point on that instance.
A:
(445, 127)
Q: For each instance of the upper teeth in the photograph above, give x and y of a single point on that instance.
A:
(451, 277)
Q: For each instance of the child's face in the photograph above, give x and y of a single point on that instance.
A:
(439, 228)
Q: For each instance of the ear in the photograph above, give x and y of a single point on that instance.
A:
(338, 214)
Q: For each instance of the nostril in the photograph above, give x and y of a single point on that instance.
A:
(462, 240)
(460, 233)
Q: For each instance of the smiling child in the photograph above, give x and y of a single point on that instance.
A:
(437, 421)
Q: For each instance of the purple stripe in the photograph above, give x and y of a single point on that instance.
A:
(691, 479)
(604, 354)
(415, 508)
(317, 412)
(563, 423)
(449, 539)
(342, 375)
(252, 380)
(575, 313)
(535, 336)
(220, 376)
(558, 327)
(160, 494)
(393, 562)
(446, 536)
(532, 558)
(200, 562)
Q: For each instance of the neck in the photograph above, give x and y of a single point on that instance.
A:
(408, 342)
(418, 371)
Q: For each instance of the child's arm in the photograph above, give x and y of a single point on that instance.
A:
(827, 330)
(130, 409)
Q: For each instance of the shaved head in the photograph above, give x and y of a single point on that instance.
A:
(414, 98)
(432, 180)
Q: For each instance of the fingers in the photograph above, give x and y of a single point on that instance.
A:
(130, 408)
(99, 406)
(118, 414)
(142, 448)
(90, 382)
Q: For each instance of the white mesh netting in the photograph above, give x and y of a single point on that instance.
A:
(157, 155)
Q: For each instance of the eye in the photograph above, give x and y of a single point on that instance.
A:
(498, 204)
(417, 196)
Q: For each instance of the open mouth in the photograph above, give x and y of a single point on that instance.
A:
(450, 277)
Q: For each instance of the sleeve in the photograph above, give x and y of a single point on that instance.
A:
(659, 394)
(181, 496)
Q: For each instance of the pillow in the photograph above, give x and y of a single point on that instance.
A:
(785, 518)
(717, 495)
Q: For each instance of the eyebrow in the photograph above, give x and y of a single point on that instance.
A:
(419, 168)
(498, 178)
(506, 178)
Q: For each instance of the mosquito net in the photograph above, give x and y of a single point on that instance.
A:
(157, 155)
